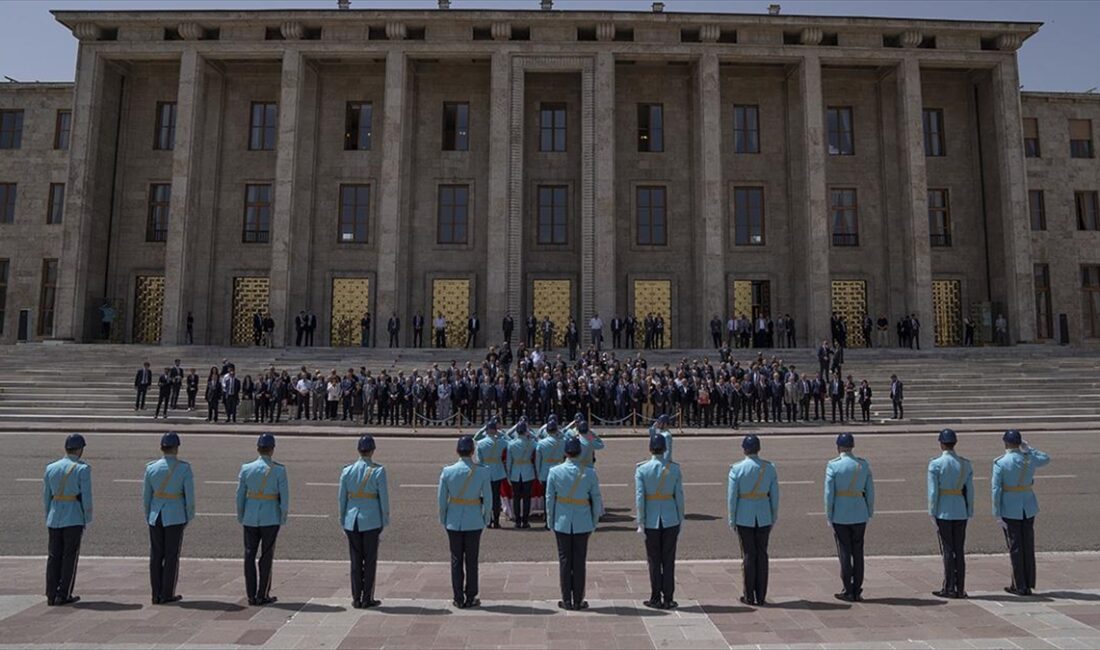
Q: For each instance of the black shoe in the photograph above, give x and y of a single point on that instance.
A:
(171, 599)
(746, 601)
(253, 602)
(459, 604)
(845, 596)
(652, 603)
(156, 600)
(525, 525)
(50, 602)
(942, 593)
(581, 605)
(858, 597)
(267, 600)
(370, 602)
(564, 605)
(517, 525)
(960, 595)
(1014, 591)
(355, 604)
(473, 602)
(671, 604)
(68, 601)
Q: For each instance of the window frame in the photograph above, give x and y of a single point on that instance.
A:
(1090, 300)
(47, 309)
(840, 132)
(744, 135)
(254, 211)
(13, 136)
(935, 138)
(846, 239)
(5, 272)
(650, 137)
(649, 227)
(268, 133)
(341, 218)
(153, 211)
(1076, 143)
(554, 190)
(164, 131)
(1044, 311)
(1041, 213)
(55, 206)
(763, 241)
(440, 212)
(453, 136)
(353, 126)
(1087, 221)
(62, 129)
(554, 131)
(939, 239)
(9, 202)
(1035, 151)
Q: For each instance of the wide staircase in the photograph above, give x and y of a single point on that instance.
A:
(85, 383)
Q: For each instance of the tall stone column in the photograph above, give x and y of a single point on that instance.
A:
(599, 272)
(499, 300)
(913, 181)
(811, 240)
(389, 296)
(287, 143)
(710, 270)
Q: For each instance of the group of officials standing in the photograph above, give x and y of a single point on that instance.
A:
(564, 462)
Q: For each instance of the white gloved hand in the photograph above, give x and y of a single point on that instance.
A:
(1002, 523)
(1024, 447)
(640, 530)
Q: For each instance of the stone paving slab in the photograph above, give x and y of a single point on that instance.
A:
(520, 610)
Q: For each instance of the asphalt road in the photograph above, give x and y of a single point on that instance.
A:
(1066, 488)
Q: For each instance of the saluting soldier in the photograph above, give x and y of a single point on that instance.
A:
(364, 513)
(752, 495)
(849, 505)
(1015, 506)
(951, 504)
(550, 451)
(67, 496)
(169, 499)
(464, 510)
(589, 440)
(263, 504)
(659, 499)
(521, 471)
(660, 427)
(573, 507)
(490, 452)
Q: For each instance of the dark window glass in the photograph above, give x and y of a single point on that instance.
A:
(841, 132)
(354, 213)
(845, 217)
(746, 129)
(55, 210)
(1037, 206)
(1088, 213)
(165, 137)
(358, 126)
(264, 122)
(1090, 294)
(939, 218)
(1080, 138)
(1043, 318)
(552, 127)
(934, 139)
(651, 128)
(257, 214)
(454, 209)
(7, 202)
(1031, 138)
(748, 216)
(651, 206)
(63, 128)
(156, 224)
(553, 214)
(47, 297)
(11, 129)
(4, 266)
(456, 126)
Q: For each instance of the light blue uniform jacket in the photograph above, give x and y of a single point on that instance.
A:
(849, 490)
(465, 496)
(520, 464)
(364, 496)
(1013, 478)
(573, 503)
(490, 452)
(752, 493)
(67, 493)
(169, 492)
(549, 453)
(950, 487)
(590, 443)
(263, 496)
(658, 493)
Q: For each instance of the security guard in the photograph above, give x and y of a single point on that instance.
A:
(490, 452)
(573, 507)
(849, 504)
(521, 471)
(67, 496)
(550, 450)
(364, 513)
(951, 504)
(660, 427)
(263, 503)
(752, 496)
(1015, 505)
(464, 510)
(659, 499)
(590, 441)
(169, 498)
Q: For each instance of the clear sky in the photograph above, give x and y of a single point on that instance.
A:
(1062, 56)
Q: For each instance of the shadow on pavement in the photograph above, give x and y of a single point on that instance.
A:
(1068, 595)
(518, 610)
(700, 517)
(904, 602)
(309, 608)
(208, 606)
(715, 609)
(411, 610)
(627, 611)
(105, 606)
(810, 605)
(1009, 598)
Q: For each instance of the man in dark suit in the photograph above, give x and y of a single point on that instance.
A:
(364, 330)
(175, 373)
(868, 325)
(628, 328)
(897, 394)
(473, 325)
(817, 388)
(716, 331)
(311, 327)
(231, 391)
(142, 381)
(506, 327)
(418, 330)
(616, 332)
(164, 393)
(823, 354)
(299, 328)
(257, 327)
(269, 330)
(836, 396)
(791, 338)
(393, 326)
(532, 328)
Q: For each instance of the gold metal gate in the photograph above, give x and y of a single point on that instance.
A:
(752, 298)
(148, 308)
(654, 297)
(249, 297)
(452, 299)
(553, 299)
(350, 300)
(947, 306)
(850, 303)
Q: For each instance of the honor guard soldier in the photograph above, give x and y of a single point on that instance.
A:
(490, 453)
(660, 427)
(659, 499)
(752, 495)
(573, 507)
(550, 451)
(951, 504)
(849, 504)
(364, 513)
(67, 496)
(590, 442)
(263, 503)
(521, 471)
(1015, 506)
(169, 499)
(464, 510)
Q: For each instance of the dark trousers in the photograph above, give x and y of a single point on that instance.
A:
(212, 410)
(660, 552)
(496, 499)
(363, 550)
(165, 543)
(850, 407)
(163, 399)
(572, 556)
(521, 500)
(899, 409)
(865, 408)
(191, 396)
(838, 405)
(231, 402)
(418, 337)
(175, 396)
(471, 339)
(393, 339)
(849, 548)
(64, 552)
(465, 546)
(139, 403)
(254, 537)
(441, 338)
(298, 336)
(630, 340)
(616, 339)
(303, 406)
(1020, 537)
(716, 337)
(754, 561)
(952, 534)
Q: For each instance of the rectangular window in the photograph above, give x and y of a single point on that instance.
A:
(11, 129)
(748, 216)
(1044, 319)
(454, 212)
(838, 123)
(1036, 203)
(63, 128)
(7, 202)
(651, 128)
(553, 214)
(934, 140)
(552, 127)
(652, 229)
(1080, 138)
(164, 139)
(939, 218)
(354, 213)
(55, 210)
(746, 129)
(47, 297)
(4, 265)
(262, 127)
(257, 214)
(358, 123)
(1031, 138)
(456, 126)
(1088, 212)
(1090, 294)
(845, 217)
(156, 224)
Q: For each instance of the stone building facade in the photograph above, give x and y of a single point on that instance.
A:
(560, 163)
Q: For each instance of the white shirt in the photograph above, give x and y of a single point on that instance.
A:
(303, 386)
(440, 323)
(595, 323)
